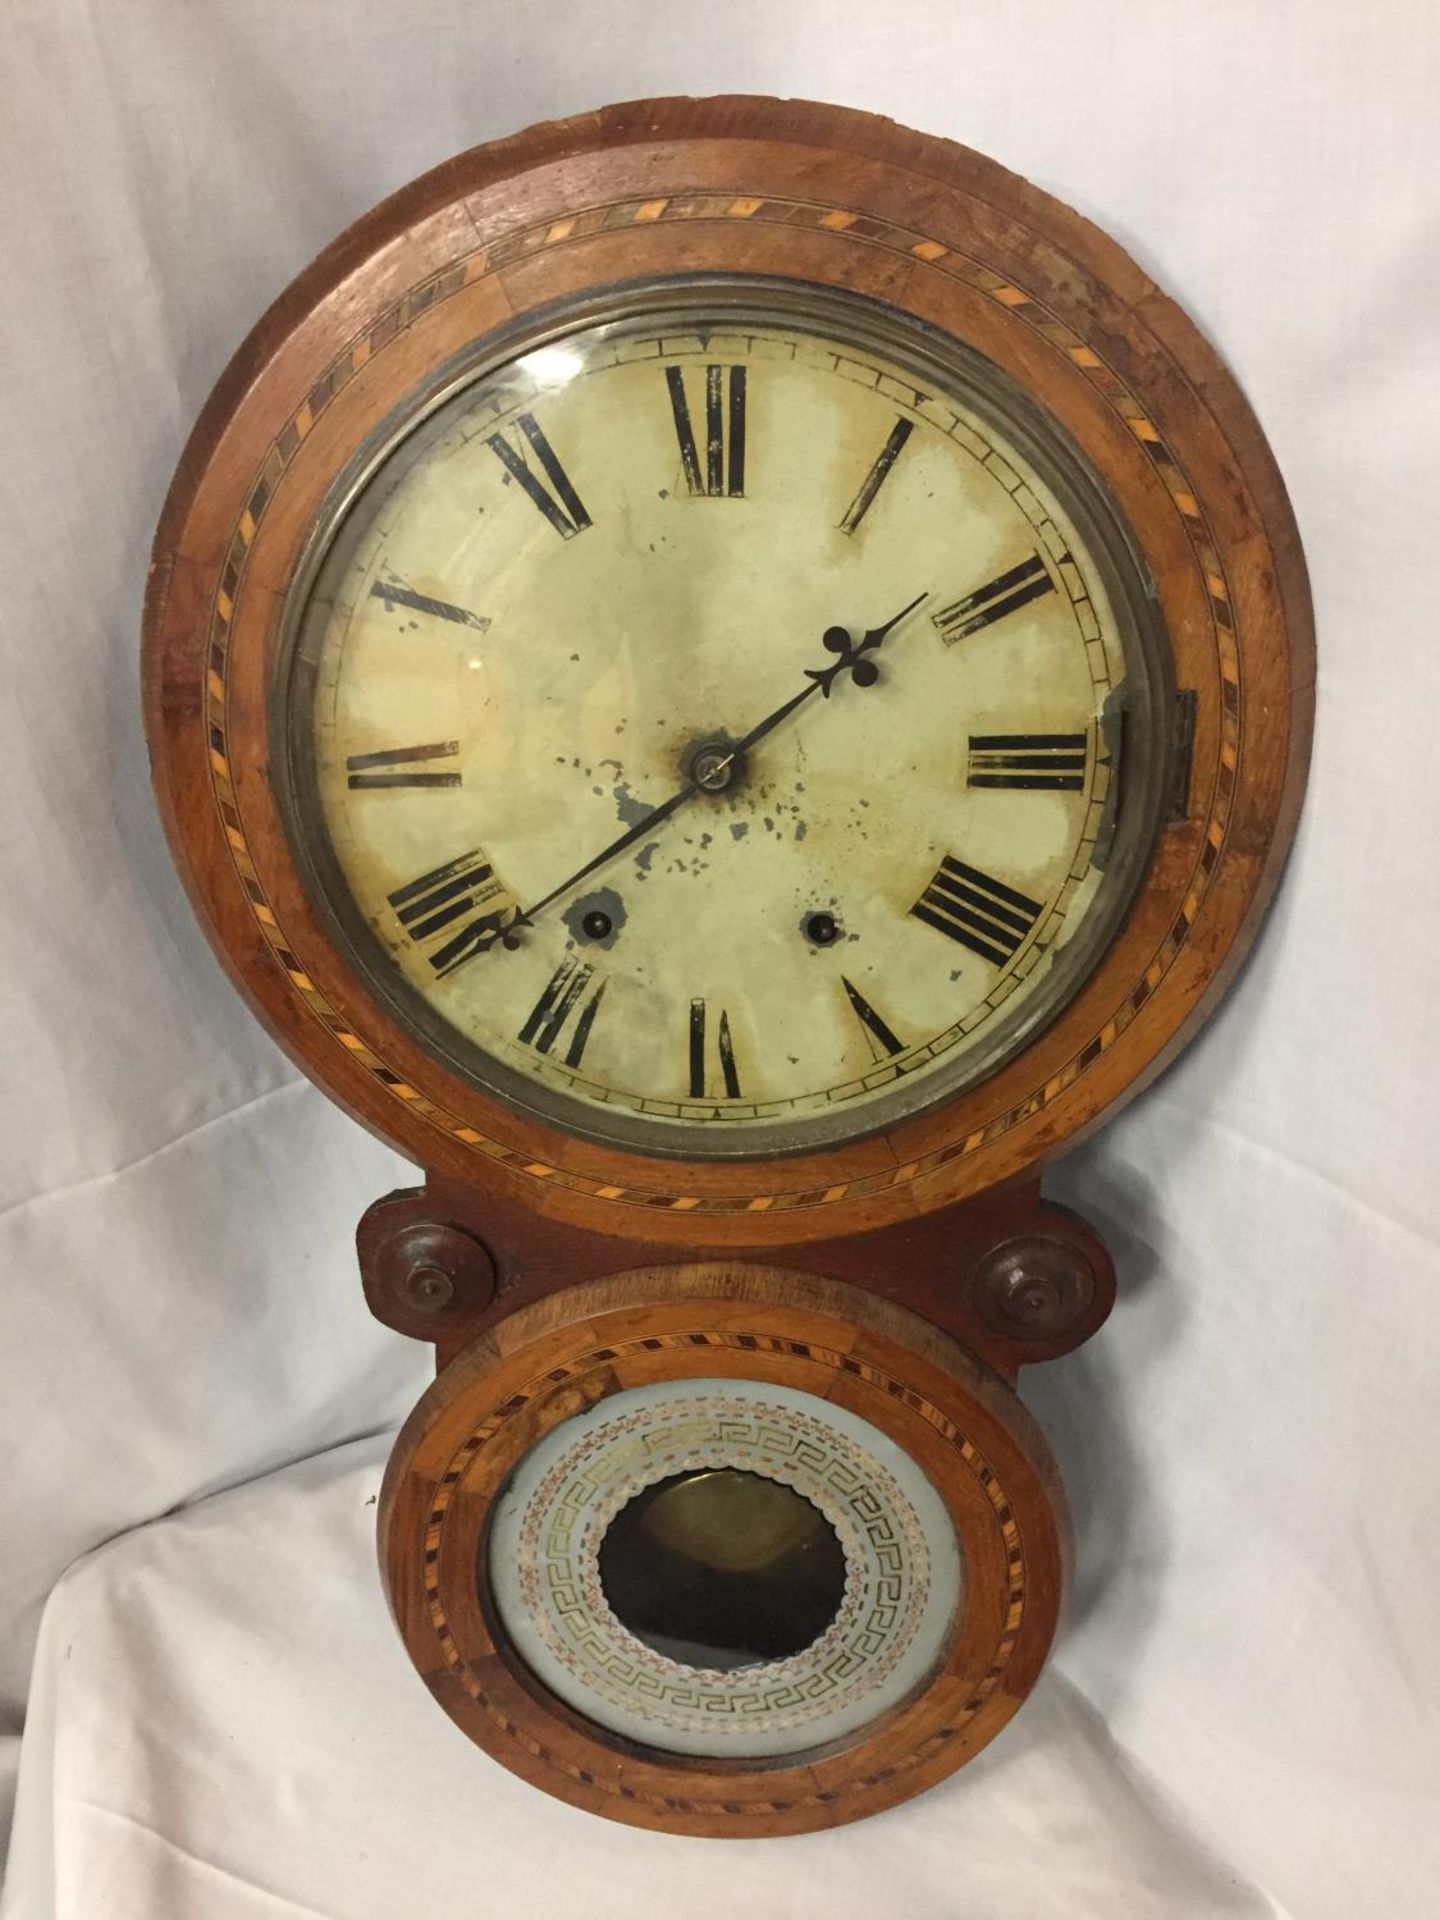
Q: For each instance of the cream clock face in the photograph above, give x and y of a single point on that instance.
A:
(723, 730)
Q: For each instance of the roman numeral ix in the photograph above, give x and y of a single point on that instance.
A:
(565, 992)
(434, 907)
(1007, 593)
(723, 470)
(553, 494)
(729, 1074)
(984, 915)
(399, 767)
(1027, 762)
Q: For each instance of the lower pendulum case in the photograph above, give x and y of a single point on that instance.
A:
(726, 1547)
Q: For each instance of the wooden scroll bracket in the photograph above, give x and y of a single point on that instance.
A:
(1013, 1277)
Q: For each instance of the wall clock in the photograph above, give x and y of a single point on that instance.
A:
(729, 678)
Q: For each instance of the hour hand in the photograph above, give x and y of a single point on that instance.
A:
(852, 653)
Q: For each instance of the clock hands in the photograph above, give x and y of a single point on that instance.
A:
(852, 658)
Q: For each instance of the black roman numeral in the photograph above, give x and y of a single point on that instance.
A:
(433, 907)
(1005, 594)
(558, 501)
(566, 990)
(724, 469)
(984, 915)
(395, 593)
(875, 479)
(368, 770)
(1027, 762)
(877, 1033)
(724, 1046)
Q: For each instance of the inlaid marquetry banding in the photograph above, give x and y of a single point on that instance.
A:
(468, 1455)
(847, 226)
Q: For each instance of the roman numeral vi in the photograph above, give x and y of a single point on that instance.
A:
(699, 1077)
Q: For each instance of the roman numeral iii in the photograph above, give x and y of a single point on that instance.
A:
(722, 469)
(550, 489)
(567, 992)
(725, 1051)
(1007, 593)
(1027, 762)
(979, 912)
(434, 909)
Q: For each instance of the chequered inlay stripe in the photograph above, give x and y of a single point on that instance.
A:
(831, 1357)
(865, 230)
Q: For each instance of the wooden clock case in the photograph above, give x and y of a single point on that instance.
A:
(915, 1270)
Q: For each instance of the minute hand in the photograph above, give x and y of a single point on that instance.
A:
(864, 672)
(627, 839)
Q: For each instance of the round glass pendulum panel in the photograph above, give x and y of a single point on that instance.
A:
(723, 1567)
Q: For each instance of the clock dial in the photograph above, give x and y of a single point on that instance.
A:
(707, 728)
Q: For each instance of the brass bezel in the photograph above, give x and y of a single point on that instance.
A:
(964, 374)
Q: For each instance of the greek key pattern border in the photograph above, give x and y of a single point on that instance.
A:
(808, 215)
(729, 1340)
(786, 1446)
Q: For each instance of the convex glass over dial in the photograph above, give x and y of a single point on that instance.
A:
(723, 728)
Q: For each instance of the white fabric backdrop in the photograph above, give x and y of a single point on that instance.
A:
(1251, 1660)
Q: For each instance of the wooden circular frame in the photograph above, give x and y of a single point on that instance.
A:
(791, 191)
(960, 1422)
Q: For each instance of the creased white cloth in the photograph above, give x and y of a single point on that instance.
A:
(227, 1727)
(1250, 1445)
